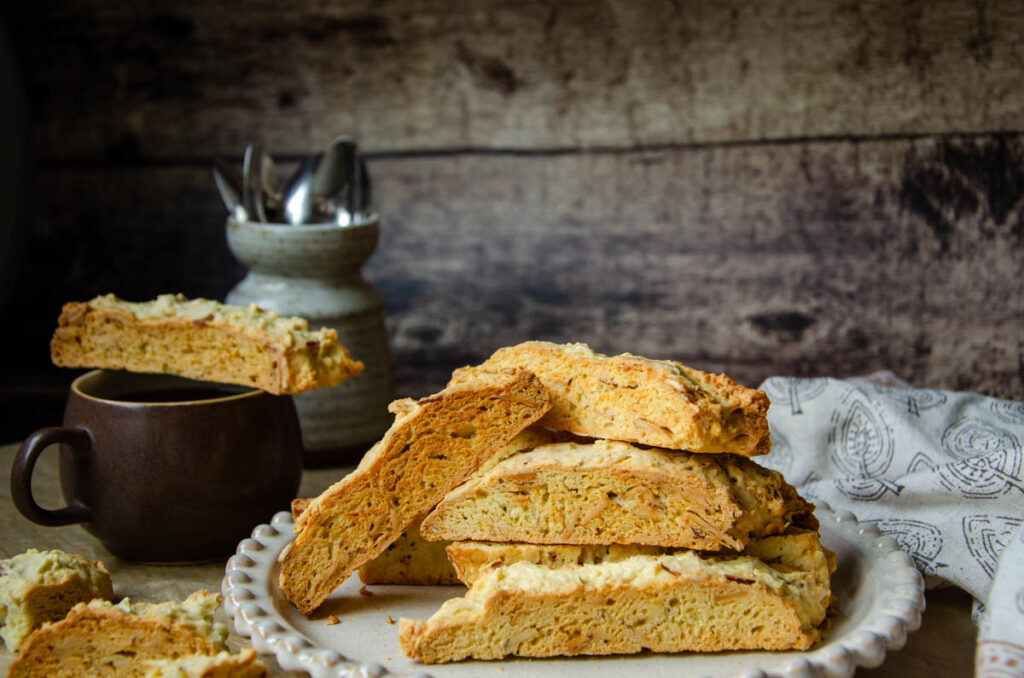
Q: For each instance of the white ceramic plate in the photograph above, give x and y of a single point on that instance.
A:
(881, 597)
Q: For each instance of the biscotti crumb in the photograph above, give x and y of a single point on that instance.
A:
(363, 591)
(332, 620)
(390, 620)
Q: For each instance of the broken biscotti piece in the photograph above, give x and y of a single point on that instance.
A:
(222, 665)
(796, 548)
(100, 638)
(430, 448)
(201, 339)
(611, 492)
(626, 397)
(42, 586)
(685, 601)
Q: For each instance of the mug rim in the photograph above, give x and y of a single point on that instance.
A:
(76, 388)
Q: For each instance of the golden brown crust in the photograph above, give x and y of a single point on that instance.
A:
(430, 448)
(611, 492)
(201, 339)
(626, 397)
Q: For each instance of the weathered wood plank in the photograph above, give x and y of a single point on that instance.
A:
(189, 79)
(813, 258)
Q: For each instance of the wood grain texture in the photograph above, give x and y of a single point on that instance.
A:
(780, 187)
(187, 79)
(811, 258)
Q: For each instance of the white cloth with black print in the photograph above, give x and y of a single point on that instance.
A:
(941, 472)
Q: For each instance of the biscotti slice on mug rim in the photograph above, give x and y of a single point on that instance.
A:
(626, 397)
(101, 638)
(42, 586)
(431, 447)
(680, 602)
(201, 339)
(612, 492)
(796, 549)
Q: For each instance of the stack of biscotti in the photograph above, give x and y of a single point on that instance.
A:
(634, 519)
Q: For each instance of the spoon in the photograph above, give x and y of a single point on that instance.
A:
(270, 189)
(229, 185)
(333, 181)
(297, 201)
(365, 197)
(251, 188)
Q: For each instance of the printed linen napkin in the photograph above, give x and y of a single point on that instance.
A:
(941, 472)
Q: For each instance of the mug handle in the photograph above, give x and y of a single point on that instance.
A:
(21, 476)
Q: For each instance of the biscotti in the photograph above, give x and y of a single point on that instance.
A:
(201, 339)
(611, 492)
(626, 397)
(103, 639)
(222, 665)
(470, 559)
(796, 549)
(430, 448)
(42, 586)
(411, 560)
(667, 603)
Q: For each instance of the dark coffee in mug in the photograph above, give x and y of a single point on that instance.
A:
(165, 469)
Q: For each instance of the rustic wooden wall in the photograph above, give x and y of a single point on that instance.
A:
(763, 188)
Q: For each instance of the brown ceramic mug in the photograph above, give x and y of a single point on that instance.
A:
(165, 469)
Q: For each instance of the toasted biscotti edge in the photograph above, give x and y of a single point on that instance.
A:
(201, 339)
(430, 448)
(667, 603)
(626, 397)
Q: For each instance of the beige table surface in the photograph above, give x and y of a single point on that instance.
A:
(944, 646)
